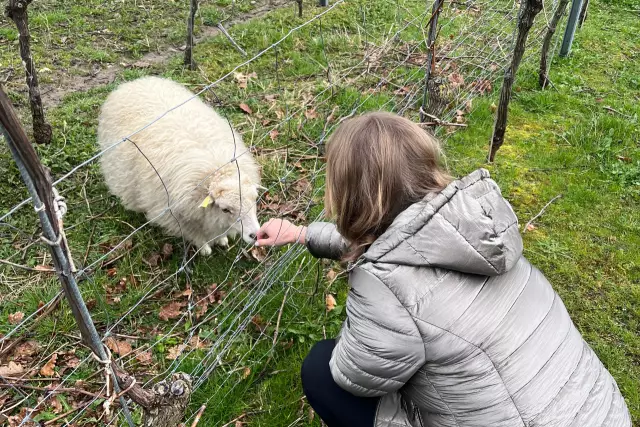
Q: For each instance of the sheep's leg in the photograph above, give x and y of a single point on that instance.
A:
(205, 250)
(223, 242)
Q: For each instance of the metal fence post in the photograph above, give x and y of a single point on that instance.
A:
(323, 3)
(40, 189)
(572, 26)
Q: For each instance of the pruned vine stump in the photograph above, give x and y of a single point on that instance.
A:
(16, 10)
(165, 404)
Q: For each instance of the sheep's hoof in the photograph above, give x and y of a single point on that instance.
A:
(223, 242)
(205, 250)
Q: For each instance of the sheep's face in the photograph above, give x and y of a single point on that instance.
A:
(238, 207)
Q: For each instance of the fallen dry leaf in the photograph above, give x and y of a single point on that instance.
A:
(243, 79)
(171, 310)
(493, 108)
(481, 86)
(145, 357)
(140, 64)
(624, 159)
(215, 295)
(246, 372)
(48, 370)
(274, 134)
(311, 114)
(16, 317)
(72, 361)
(112, 272)
(55, 404)
(402, 91)
(531, 227)
(167, 251)
(153, 260)
(121, 348)
(197, 343)
(244, 107)
(11, 370)
(174, 352)
(259, 323)
(468, 106)
(331, 275)
(201, 308)
(456, 79)
(26, 349)
(259, 253)
(330, 302)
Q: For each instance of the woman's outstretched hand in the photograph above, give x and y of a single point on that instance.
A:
(279, 232)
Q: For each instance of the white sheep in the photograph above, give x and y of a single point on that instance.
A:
(192, 148)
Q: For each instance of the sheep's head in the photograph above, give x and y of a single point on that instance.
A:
(237, 202)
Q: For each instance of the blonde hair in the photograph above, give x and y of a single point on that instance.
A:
(378, 165)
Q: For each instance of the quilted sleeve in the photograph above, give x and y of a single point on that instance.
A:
(380, 347)
(324, 241)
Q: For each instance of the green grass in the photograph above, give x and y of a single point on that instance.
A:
(579, 139)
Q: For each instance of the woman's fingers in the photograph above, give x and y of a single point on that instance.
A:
(275, 232)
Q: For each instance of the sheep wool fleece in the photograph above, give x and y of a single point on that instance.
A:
(454, 327)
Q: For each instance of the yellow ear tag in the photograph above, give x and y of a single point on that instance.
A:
(206, 202)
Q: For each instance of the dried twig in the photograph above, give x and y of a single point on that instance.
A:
(53, 391)
(526, 227)
(233, 42)
(233, 421)
(618, 112)
(275, 334)
(24, 267)
(198, 415)
(61, 416)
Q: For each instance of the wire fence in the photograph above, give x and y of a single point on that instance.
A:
(232, 320)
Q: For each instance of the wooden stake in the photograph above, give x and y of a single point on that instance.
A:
(188, 51)
(543, 75)
(16, 10)
(528, 12)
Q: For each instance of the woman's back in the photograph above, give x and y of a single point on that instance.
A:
(445, 311)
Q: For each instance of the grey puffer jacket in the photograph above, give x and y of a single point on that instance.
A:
(454, 327)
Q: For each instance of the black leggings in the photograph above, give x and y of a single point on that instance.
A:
(336, 407)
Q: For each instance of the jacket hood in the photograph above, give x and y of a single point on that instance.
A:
(467, 227)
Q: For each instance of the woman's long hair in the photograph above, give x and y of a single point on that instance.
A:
(378, 165)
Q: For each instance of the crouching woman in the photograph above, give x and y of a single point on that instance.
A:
(447, 323)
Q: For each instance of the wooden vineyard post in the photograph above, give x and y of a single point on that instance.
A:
(431, 55)
(543, 76)
(188, 51)
(16, 10)
(528, 12)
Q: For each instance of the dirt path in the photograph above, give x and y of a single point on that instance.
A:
(52, 95)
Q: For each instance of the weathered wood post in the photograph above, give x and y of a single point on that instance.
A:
(16, 10)
(430, 63)
(529, 9)
(188, 51)
(584, 13)
(543, 75)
